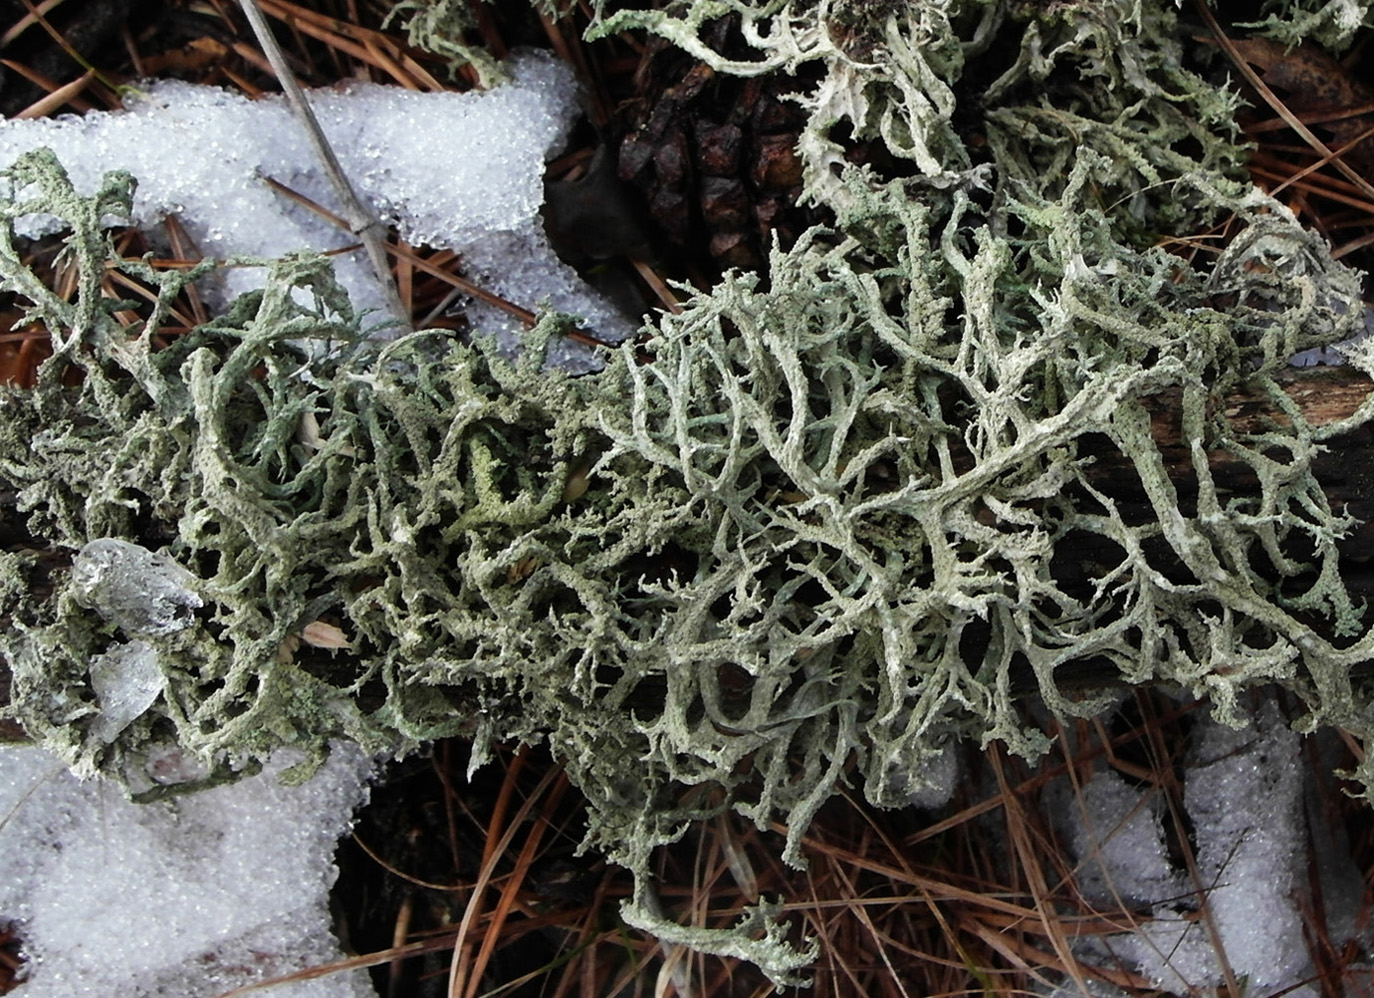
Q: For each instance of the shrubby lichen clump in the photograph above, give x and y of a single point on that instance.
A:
(810, 530)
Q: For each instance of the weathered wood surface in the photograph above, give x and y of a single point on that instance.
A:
(1324, 395)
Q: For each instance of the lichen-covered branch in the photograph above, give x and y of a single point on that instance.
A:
(811, 529)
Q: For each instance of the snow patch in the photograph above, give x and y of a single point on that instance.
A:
(462, 172)
(1243, 793)
(190, 898)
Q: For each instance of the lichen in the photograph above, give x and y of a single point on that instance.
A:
(815, 525)
(443, 28)
(1331, 23)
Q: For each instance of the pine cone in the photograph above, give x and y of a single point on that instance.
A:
(715, 156)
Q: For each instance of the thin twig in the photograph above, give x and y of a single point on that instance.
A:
(362, 221)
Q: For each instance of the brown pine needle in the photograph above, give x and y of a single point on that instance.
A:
(367, 46)
(420, 73)
(1311, 118)
(379, 58)
(27, 21)
(64, 94)
(523, 861)
(189, 255)
(146, 293)
(1278, 105)
(658, 286)
(255, 59)
(524, 315)
(1318, 185)
(1354, 244)
(1328, 158)
(400, 875)
(493, 851)
(341, 966)
(46, 82)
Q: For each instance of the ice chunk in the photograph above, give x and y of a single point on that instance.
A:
(1096, 989)
(453, 171)
(938, 779)
(1244, 795)
(215, 891)
(922, 780)
(1338, 353)
(141, 591)
(126, 680)
(167, 764)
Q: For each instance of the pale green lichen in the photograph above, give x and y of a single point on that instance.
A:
(1102, 74)
(814, 527)
(444, 28)
(1332, 23)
